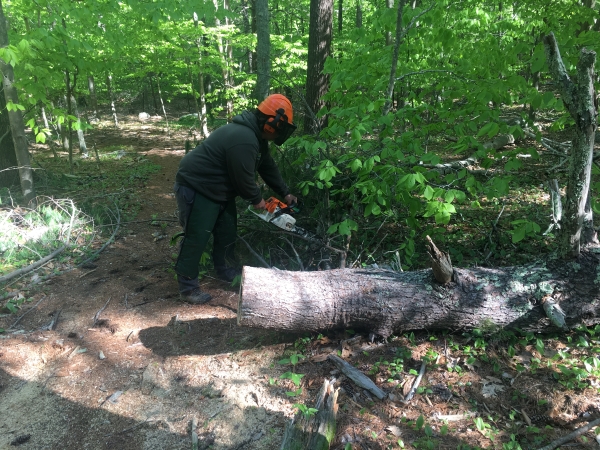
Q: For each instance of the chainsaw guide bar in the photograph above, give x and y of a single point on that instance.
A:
(276, 213)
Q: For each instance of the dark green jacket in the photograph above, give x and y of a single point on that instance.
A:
(224, 164)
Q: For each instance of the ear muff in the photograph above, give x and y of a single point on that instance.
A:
(273, 124)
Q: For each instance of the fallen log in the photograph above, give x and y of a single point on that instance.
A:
(314, 430)
(384, 302)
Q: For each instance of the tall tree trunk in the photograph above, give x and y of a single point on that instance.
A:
(392, 81)
(201, 88)
(69, 132)
(224, 51)
(319, 49)
(80, 137)
(359, 14)
(247, 30)
(388, 35)
(153, 94)
(15, 117)
(162, 104)
(386, 302)
(579, 98)
(340, 17)
(112, 100)
(263, 50)
(9, 174)
(198, 113)
(93, 97)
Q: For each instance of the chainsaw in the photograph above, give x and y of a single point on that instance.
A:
(280, 215)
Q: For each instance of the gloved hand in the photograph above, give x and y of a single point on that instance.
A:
(290, 199)
(262, 206)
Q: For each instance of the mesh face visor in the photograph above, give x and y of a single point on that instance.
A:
(284, 131)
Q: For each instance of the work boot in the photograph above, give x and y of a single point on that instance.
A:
(227, 273)
(195, 297)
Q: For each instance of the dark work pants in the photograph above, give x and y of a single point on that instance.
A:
(199, 217)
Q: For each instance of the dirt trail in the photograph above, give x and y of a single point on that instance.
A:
(166, 370)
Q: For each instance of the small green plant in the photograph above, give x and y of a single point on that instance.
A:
(294, 377)
(305, 410)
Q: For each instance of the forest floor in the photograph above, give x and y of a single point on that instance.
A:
(167, 364)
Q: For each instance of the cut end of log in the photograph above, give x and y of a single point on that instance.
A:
(440, 263)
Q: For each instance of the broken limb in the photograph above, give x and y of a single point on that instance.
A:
(33, 266)
(359, 378)
(415, 385)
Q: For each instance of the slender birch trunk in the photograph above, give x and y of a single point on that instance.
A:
(201, 89)
(162, 104)
(93, 97)
(80, 136)
(112, 100)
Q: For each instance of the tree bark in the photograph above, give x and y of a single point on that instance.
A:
(112, 100)
(15, 117)
(385, 302)
(201, 89)
(8, 158)
(319, 49)
(263, 50)
(579, 99)
(316, 431)
(359, 14)
(388, 35)
(80, 136)
(93, 97)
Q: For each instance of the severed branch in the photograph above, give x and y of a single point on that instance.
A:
(569, 437)
(359, 378)
(440, 263)
(415, 386)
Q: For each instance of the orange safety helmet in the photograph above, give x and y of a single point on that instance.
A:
(280, 112)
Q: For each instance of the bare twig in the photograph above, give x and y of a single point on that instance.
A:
(569, 437)
(33, 266)
(97, 315)
(361, 252)
(295, 253)
(25, 313)
(87, 273)
(260, 258)
(107, 243)
(52, 325)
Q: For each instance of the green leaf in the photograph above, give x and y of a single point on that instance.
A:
(493, 130)
(519, 234)
(420, 421)
(428, 193)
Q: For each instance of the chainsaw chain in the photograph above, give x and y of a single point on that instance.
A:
(305, 233)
